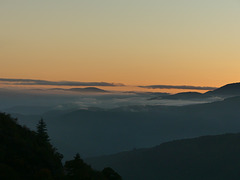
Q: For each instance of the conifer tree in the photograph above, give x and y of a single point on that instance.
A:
(42, 131)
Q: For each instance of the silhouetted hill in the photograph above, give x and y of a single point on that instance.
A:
(185, 95)
(82, 90)
(25, 154)
(196, 96)
(227, 90)
(88, 90)
(203, 158)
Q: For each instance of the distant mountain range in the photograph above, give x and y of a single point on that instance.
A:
(83, 90)
(228, 90)
(225, 91)
(203, 158)
(128, 127)
(185, 96)
(97, 131)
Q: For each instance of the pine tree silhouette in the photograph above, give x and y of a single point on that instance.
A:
(42, 131)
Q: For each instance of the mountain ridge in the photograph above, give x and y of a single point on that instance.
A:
(232, 89)
(228, 90)
(83, 90)
(213, 157)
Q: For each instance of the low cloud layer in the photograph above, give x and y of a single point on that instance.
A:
(76, 83)
(178, 87)
(55, 83)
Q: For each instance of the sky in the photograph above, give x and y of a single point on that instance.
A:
(133, 42)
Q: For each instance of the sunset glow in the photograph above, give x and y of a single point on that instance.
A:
(134, 42)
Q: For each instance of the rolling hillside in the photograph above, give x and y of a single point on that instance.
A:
(207, 157)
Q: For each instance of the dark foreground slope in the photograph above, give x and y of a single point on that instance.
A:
(26, 154)
(203, 158)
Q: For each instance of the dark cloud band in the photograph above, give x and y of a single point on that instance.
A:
(75, 83)
(55, 83)
(178, 87)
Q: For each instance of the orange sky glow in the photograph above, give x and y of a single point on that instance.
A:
(134, 42)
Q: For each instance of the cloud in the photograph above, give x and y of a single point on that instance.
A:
(76, 83)
(178, 87)
(56, 83)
